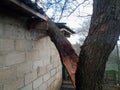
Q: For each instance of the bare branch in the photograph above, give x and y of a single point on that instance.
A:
(77, 7)
(63, 8)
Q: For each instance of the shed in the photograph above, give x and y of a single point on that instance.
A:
(26, 64)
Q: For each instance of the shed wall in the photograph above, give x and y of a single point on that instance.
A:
(27, 64)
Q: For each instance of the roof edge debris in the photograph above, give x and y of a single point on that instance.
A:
(28, 7)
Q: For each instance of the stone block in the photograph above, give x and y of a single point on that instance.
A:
(1, 86)
(14, 58)
(53, 49)
(56, 84)
(30, 35)
(49, 67)
(43, 86)
(49, 82)
(53, 72)
(37, 64)
(29, 55)
(9, 29)
(37, 82)
(60, 68)
(44, 50)
(6, 45)
(20, 33)
(54, 59)
(46, 77)
(15, 85)
(41, 70)
(13, 32)
(23, 45)
(46, 61)
(29, 77)
(56, 64)
(24, 68)
(34, 55)
(19, 83)
(28, 87)
(2, 61)
(7, 75)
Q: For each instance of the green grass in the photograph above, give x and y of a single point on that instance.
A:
(111, 87)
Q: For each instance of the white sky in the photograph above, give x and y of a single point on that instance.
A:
(75, 22)
(74, 39)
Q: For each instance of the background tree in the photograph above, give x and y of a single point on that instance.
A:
(101, 40)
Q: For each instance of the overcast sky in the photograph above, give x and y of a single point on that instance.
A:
(75, 22)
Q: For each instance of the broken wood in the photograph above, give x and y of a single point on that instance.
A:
(67, 54)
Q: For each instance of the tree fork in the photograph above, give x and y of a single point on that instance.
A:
(102, 37)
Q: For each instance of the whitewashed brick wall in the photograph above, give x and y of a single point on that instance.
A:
(26, 64)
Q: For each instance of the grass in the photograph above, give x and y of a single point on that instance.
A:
(111, 87)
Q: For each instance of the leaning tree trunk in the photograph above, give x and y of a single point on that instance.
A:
(68, 56)
(102, 37)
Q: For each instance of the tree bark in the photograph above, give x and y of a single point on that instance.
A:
(102, 37)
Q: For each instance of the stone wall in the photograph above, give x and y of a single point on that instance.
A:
(27, 64)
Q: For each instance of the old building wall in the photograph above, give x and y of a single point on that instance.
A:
(27, 64)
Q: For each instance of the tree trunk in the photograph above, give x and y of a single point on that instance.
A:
(102, 37)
